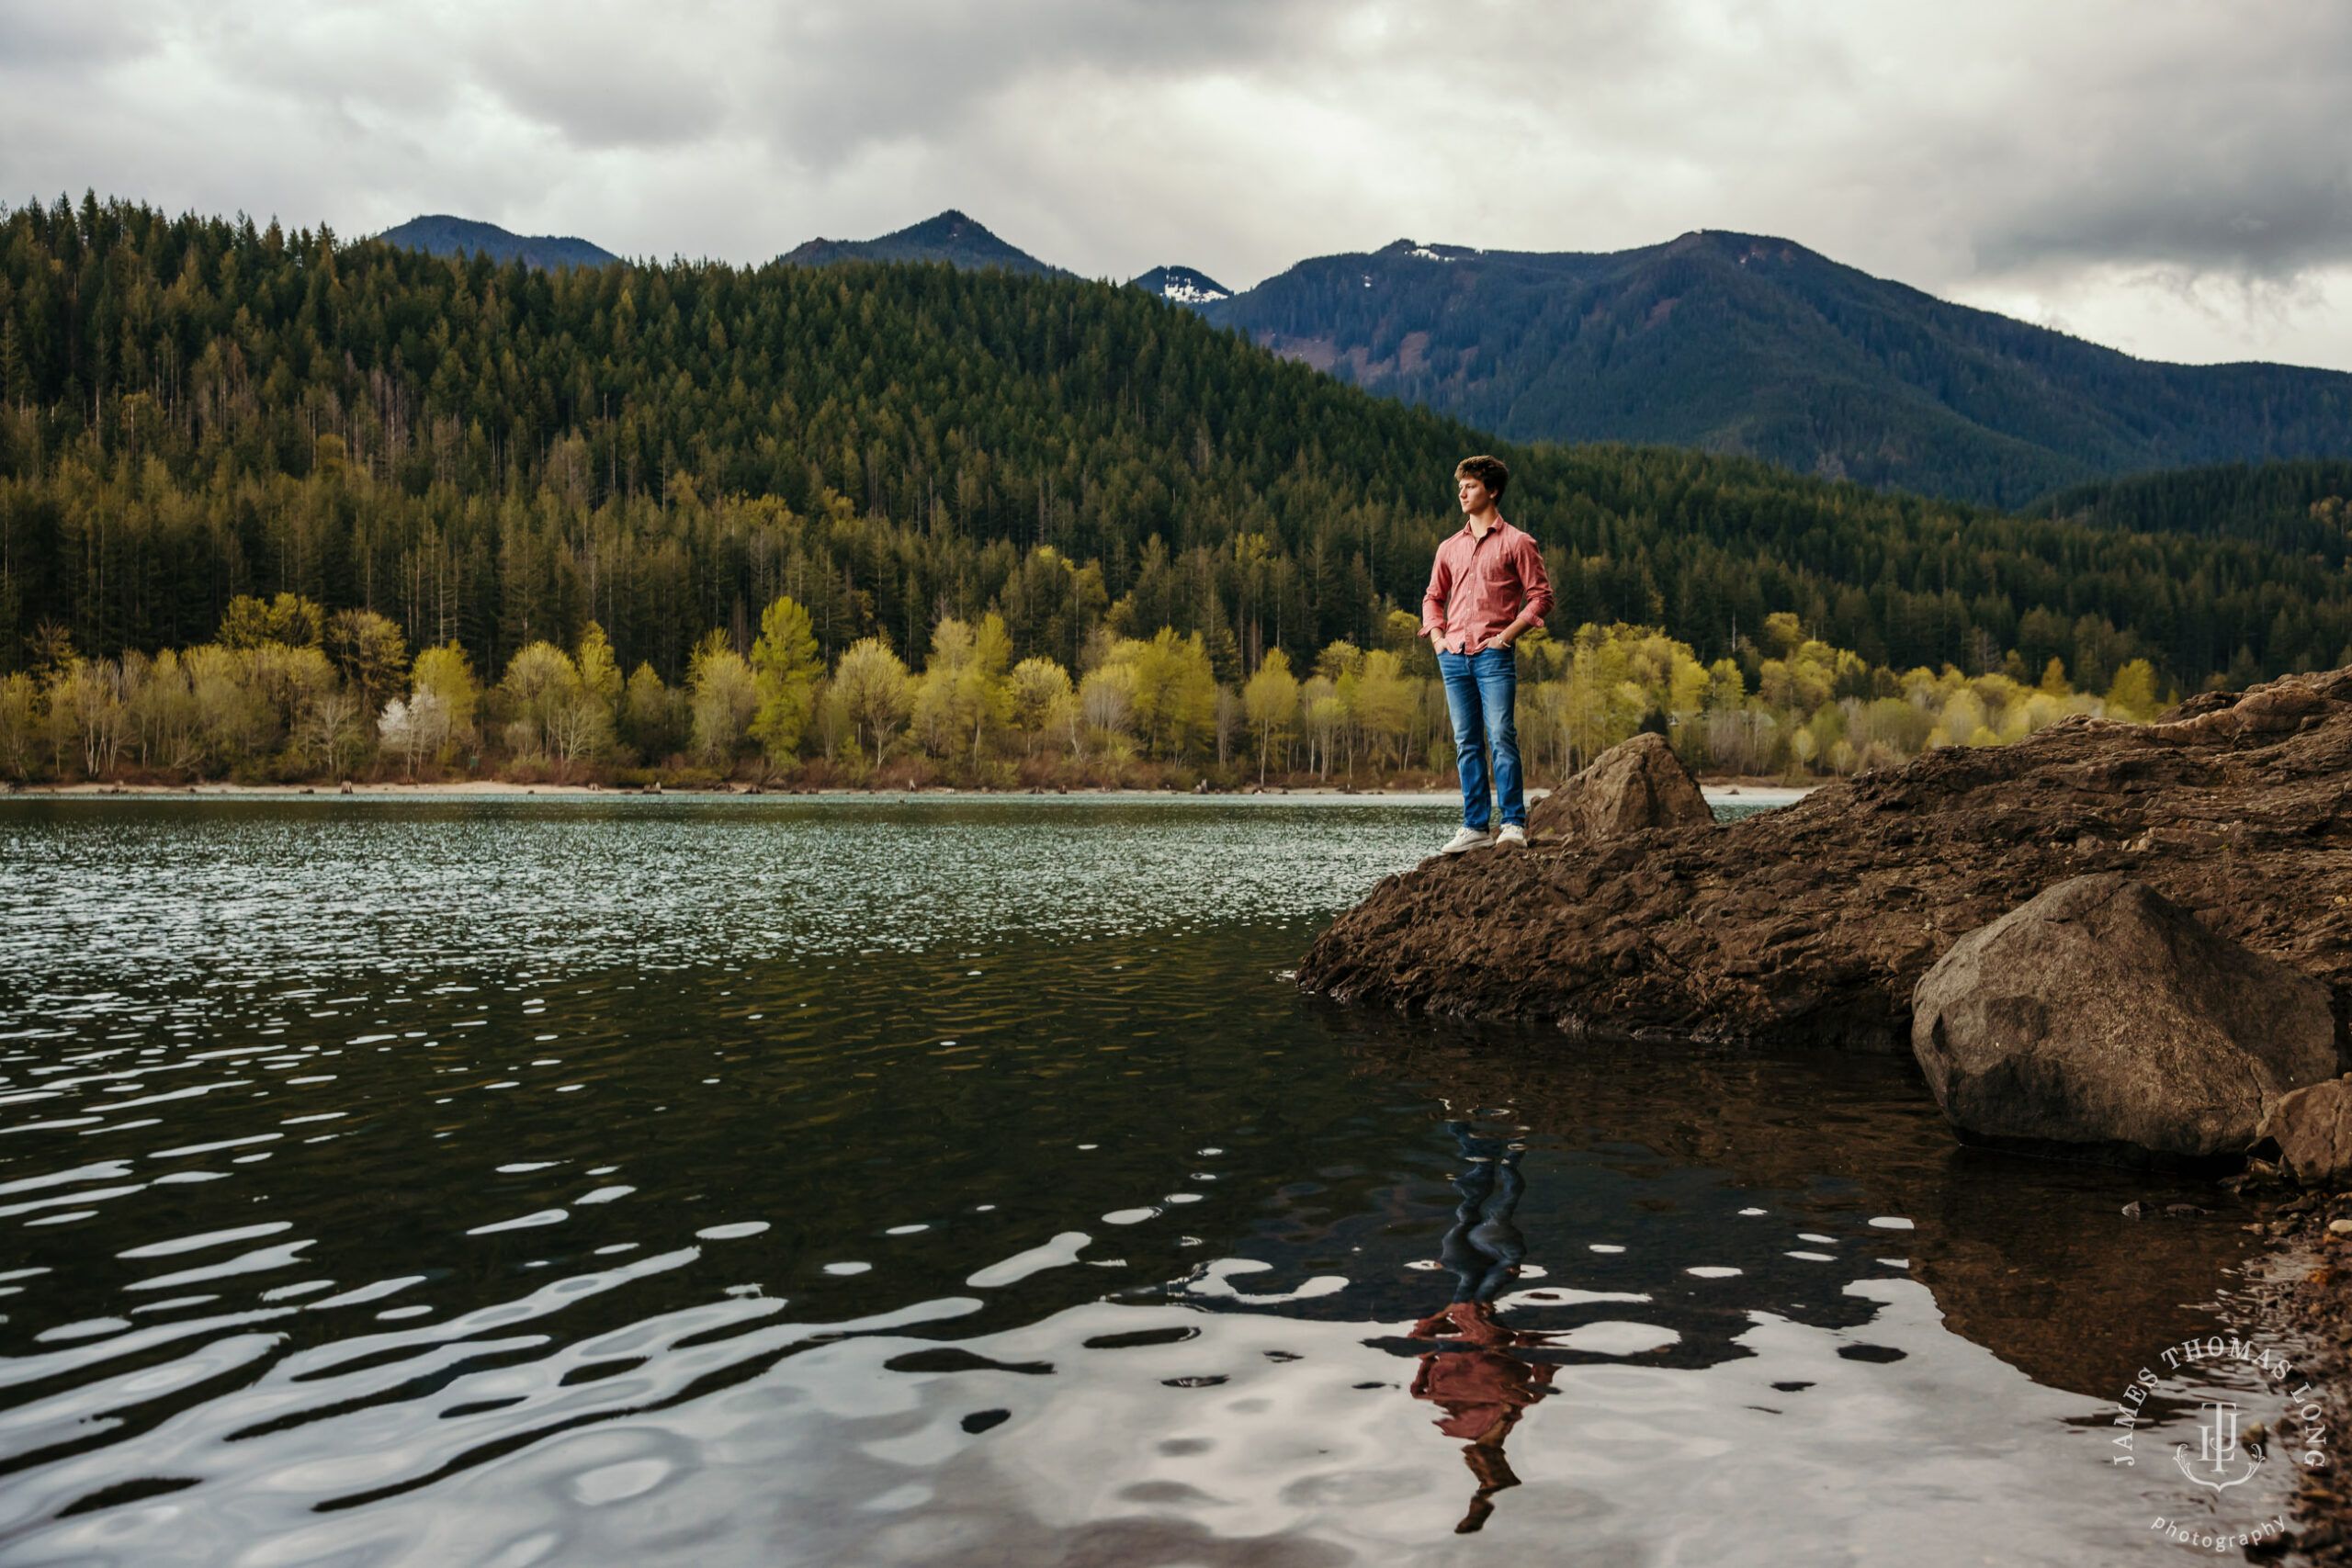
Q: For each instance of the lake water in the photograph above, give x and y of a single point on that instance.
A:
(875, 1182)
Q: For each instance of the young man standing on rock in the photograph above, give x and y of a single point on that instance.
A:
(1486, 588)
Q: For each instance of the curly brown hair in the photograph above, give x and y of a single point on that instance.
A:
(1487, 471)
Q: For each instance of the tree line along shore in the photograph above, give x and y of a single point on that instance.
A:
(287, 691)
(195, 409)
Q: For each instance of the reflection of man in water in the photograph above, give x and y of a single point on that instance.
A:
(1473, 1378)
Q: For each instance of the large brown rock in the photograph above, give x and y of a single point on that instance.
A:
(2314, 1127)
(1813, 923)
(1635, 785)
(2100, 1012)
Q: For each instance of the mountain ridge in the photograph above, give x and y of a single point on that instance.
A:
(1755, 345)
(1732, 344)
(442, 235)
(951, 237)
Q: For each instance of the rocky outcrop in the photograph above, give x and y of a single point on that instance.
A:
(1637, 784)
(1815, 922)
(2100, 1012)
(2313, 1129)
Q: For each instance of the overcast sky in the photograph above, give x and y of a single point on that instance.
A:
(2167, 176)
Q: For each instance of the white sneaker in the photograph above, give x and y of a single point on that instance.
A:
(1512, 833)
(1467, 839)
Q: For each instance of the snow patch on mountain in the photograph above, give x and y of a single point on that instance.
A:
(1182, 286)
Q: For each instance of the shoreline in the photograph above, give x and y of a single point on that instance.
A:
(2302, 1299)
(501, 790)
(1728, 794)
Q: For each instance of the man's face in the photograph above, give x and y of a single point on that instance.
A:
(1473, 494)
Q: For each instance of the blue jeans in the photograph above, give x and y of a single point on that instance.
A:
(1481, 694)
(1484, 1247)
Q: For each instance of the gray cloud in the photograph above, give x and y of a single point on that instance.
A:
(2166, 172)
(2204, 138)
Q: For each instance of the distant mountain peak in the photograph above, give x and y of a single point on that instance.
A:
(1755, 345)
(950, 224)
(952, 237)
(442, 235)
(1419, 252)
(1182, 286)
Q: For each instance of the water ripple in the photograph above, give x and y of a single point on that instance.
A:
(766, 1182)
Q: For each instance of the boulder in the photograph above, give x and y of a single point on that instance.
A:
(2314, 1128)
(2102, 1013)
(1635, 785)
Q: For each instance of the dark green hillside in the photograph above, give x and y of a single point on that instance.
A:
(2299, 508)
(196, 409)
(951, 237)
(1741, 344)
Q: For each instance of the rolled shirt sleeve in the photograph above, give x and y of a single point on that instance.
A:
(1440, 586)
(1534, 579)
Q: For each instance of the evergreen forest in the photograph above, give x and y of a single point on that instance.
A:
(2294, 508)
(491, 456)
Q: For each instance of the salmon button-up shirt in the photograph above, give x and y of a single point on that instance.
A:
(1478, 587)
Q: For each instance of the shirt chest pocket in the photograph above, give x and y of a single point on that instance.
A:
(1494, 590)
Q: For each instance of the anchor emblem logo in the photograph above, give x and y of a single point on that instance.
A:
(2219, 1453)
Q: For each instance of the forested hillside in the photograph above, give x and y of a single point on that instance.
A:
(196, 409)
(1745, 344)
(2299, 508)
